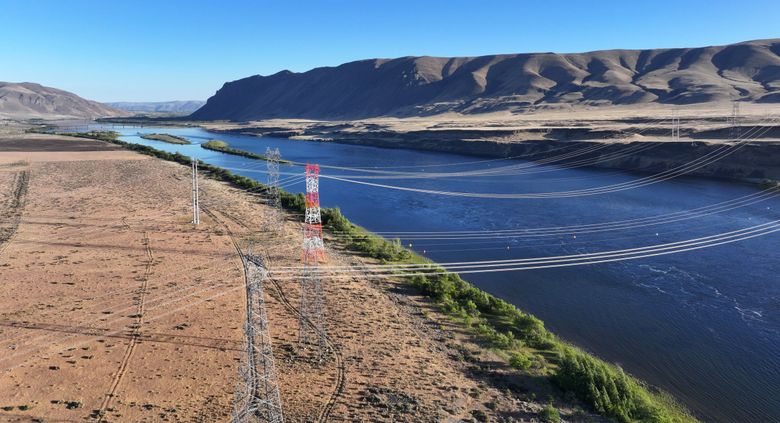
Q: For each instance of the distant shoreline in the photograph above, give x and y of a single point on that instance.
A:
(632, 143)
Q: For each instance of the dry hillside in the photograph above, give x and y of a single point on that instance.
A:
(410, 86)
(26, 100)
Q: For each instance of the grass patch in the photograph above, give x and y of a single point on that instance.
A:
(214, 145)
(170, 139)
(223, 147)
(549, 414)
(518, 336)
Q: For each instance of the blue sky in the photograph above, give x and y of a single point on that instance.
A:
(182, 50)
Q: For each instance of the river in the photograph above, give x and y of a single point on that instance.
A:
(703, 325)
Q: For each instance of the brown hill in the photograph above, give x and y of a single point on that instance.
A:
(411, 86)
(27, 100)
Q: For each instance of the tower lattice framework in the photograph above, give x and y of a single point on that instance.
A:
(675, 128)
(734, 132)
(274, 196)
(311, 329)
(257, 396)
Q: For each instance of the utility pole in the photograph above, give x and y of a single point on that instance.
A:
(195, 199)
(734, 133)
(675, 128)
(311, 329)
(274, 199)
(257, 397)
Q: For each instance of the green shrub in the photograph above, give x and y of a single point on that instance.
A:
(520, 360)
(335, 221)
(213, 144)
(549, 414)
(293, 202)
(479, 415)
(611, 392)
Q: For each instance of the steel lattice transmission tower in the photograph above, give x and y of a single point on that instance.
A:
(257, 396)
(195, 190)
(274, 198)
(675, 128)
(735, 132)
(311, 329)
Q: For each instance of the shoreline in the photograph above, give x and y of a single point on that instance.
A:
(521, 345)
(609, 144)
(750, 163)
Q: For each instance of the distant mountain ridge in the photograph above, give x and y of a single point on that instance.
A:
(26, 100)
(410, 86)
(158, 106)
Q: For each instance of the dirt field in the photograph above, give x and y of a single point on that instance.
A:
(115, 308)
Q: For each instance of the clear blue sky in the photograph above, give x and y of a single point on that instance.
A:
(181, 50)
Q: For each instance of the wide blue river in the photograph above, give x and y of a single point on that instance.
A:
(702, 324)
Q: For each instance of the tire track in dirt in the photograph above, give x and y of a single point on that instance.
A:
(229, 232)
(134, 333)
(202, 417)
(13, 210)
(340, 384)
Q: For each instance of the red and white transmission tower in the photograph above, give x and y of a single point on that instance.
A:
(311, 329)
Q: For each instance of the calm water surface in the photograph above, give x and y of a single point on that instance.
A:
(703, 325)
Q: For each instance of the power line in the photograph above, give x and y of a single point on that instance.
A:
(536, 163)
(520, 168)
(682, 169)
(489, 266)
(728, 205)
(698, 163)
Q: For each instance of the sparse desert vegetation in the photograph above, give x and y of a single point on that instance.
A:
(396, 363)
(516, 212)
(520, 338)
